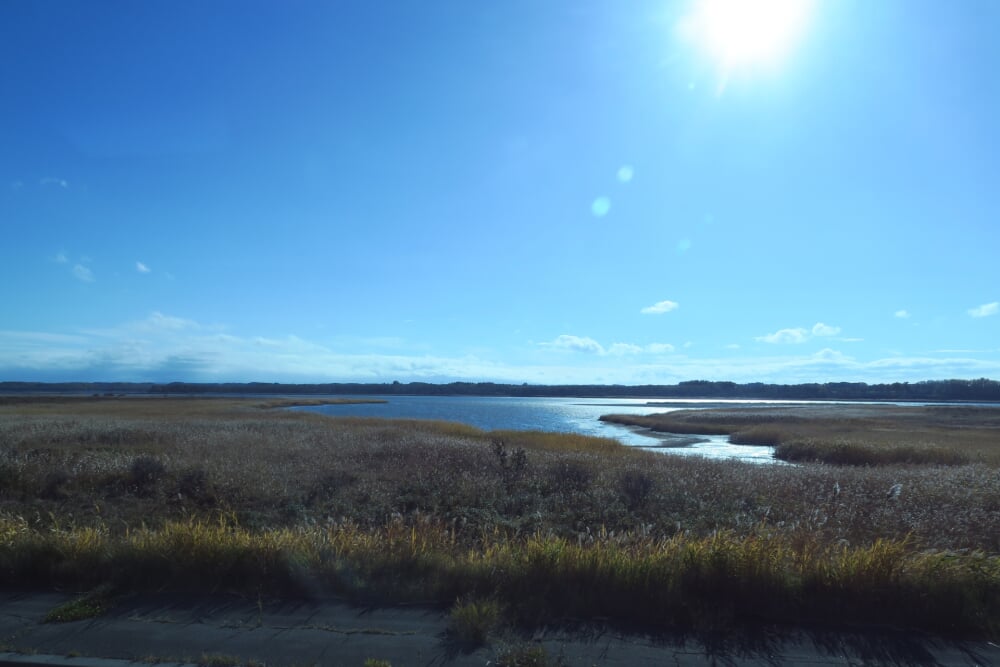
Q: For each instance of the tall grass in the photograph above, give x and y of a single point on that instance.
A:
(714, 581)
(847, 434)
(189, 494)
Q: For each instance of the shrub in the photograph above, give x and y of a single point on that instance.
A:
(635, 486)
(571, 476)
(9, 479)
(513, 464)
(194, 484)
(54, 486)
(144, 474)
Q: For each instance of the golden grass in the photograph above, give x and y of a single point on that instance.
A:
(209, 493)
(847, 434)
(721, 579)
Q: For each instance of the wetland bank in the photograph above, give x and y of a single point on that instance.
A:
(542, 528)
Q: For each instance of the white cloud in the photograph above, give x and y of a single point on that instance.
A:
(985, 310)
(591, 346)
(624, 348)
(157, 321)
(163, 348)
(61, 258)
(820, 329)
(142, 268)
(577, 343)
(48, 180)
(659, 308)
(733, 346)
(828, 354)
(798, 335)
(82, 273)
(901, 314)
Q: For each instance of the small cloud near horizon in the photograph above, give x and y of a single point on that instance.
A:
(901, 314)
(660, 307)
(142, 268)
(985, 310)
(591, 346)
(799, 334)
(576, 343)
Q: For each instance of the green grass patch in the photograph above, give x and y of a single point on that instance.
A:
(225, 660)
(526, 655)
(91, 605)
(471, 622)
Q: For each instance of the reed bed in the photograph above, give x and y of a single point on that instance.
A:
(847, 434)
(632, 579)
(194, 494)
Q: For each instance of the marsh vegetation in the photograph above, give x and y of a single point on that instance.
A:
(846, 434)
(157, 493)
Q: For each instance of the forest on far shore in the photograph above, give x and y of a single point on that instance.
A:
(930, 390)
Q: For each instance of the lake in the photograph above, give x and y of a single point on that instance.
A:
(566, 415)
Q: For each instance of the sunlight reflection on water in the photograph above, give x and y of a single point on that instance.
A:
(567, 415)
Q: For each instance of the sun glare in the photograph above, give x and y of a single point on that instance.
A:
(747, 33)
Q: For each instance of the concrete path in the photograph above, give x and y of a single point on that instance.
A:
(224, 631)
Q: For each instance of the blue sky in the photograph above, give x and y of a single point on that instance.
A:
(519, 191)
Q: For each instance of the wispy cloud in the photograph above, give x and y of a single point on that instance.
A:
(158, 321)
(61, 258)
(799, 334)
(577, 344)
(164, 347)
(58, 182)
(902, 314)
(622, 349)
(985, 310)
(659, 308)
(142, 268)
(82, 273)
(591, 346)
(820, 329)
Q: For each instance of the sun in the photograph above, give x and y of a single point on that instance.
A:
(740, 34)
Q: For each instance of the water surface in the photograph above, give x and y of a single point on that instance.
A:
(563, 415)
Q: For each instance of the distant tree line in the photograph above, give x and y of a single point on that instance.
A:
(930, 390)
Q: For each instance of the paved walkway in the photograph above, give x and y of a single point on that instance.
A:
(225, 631)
